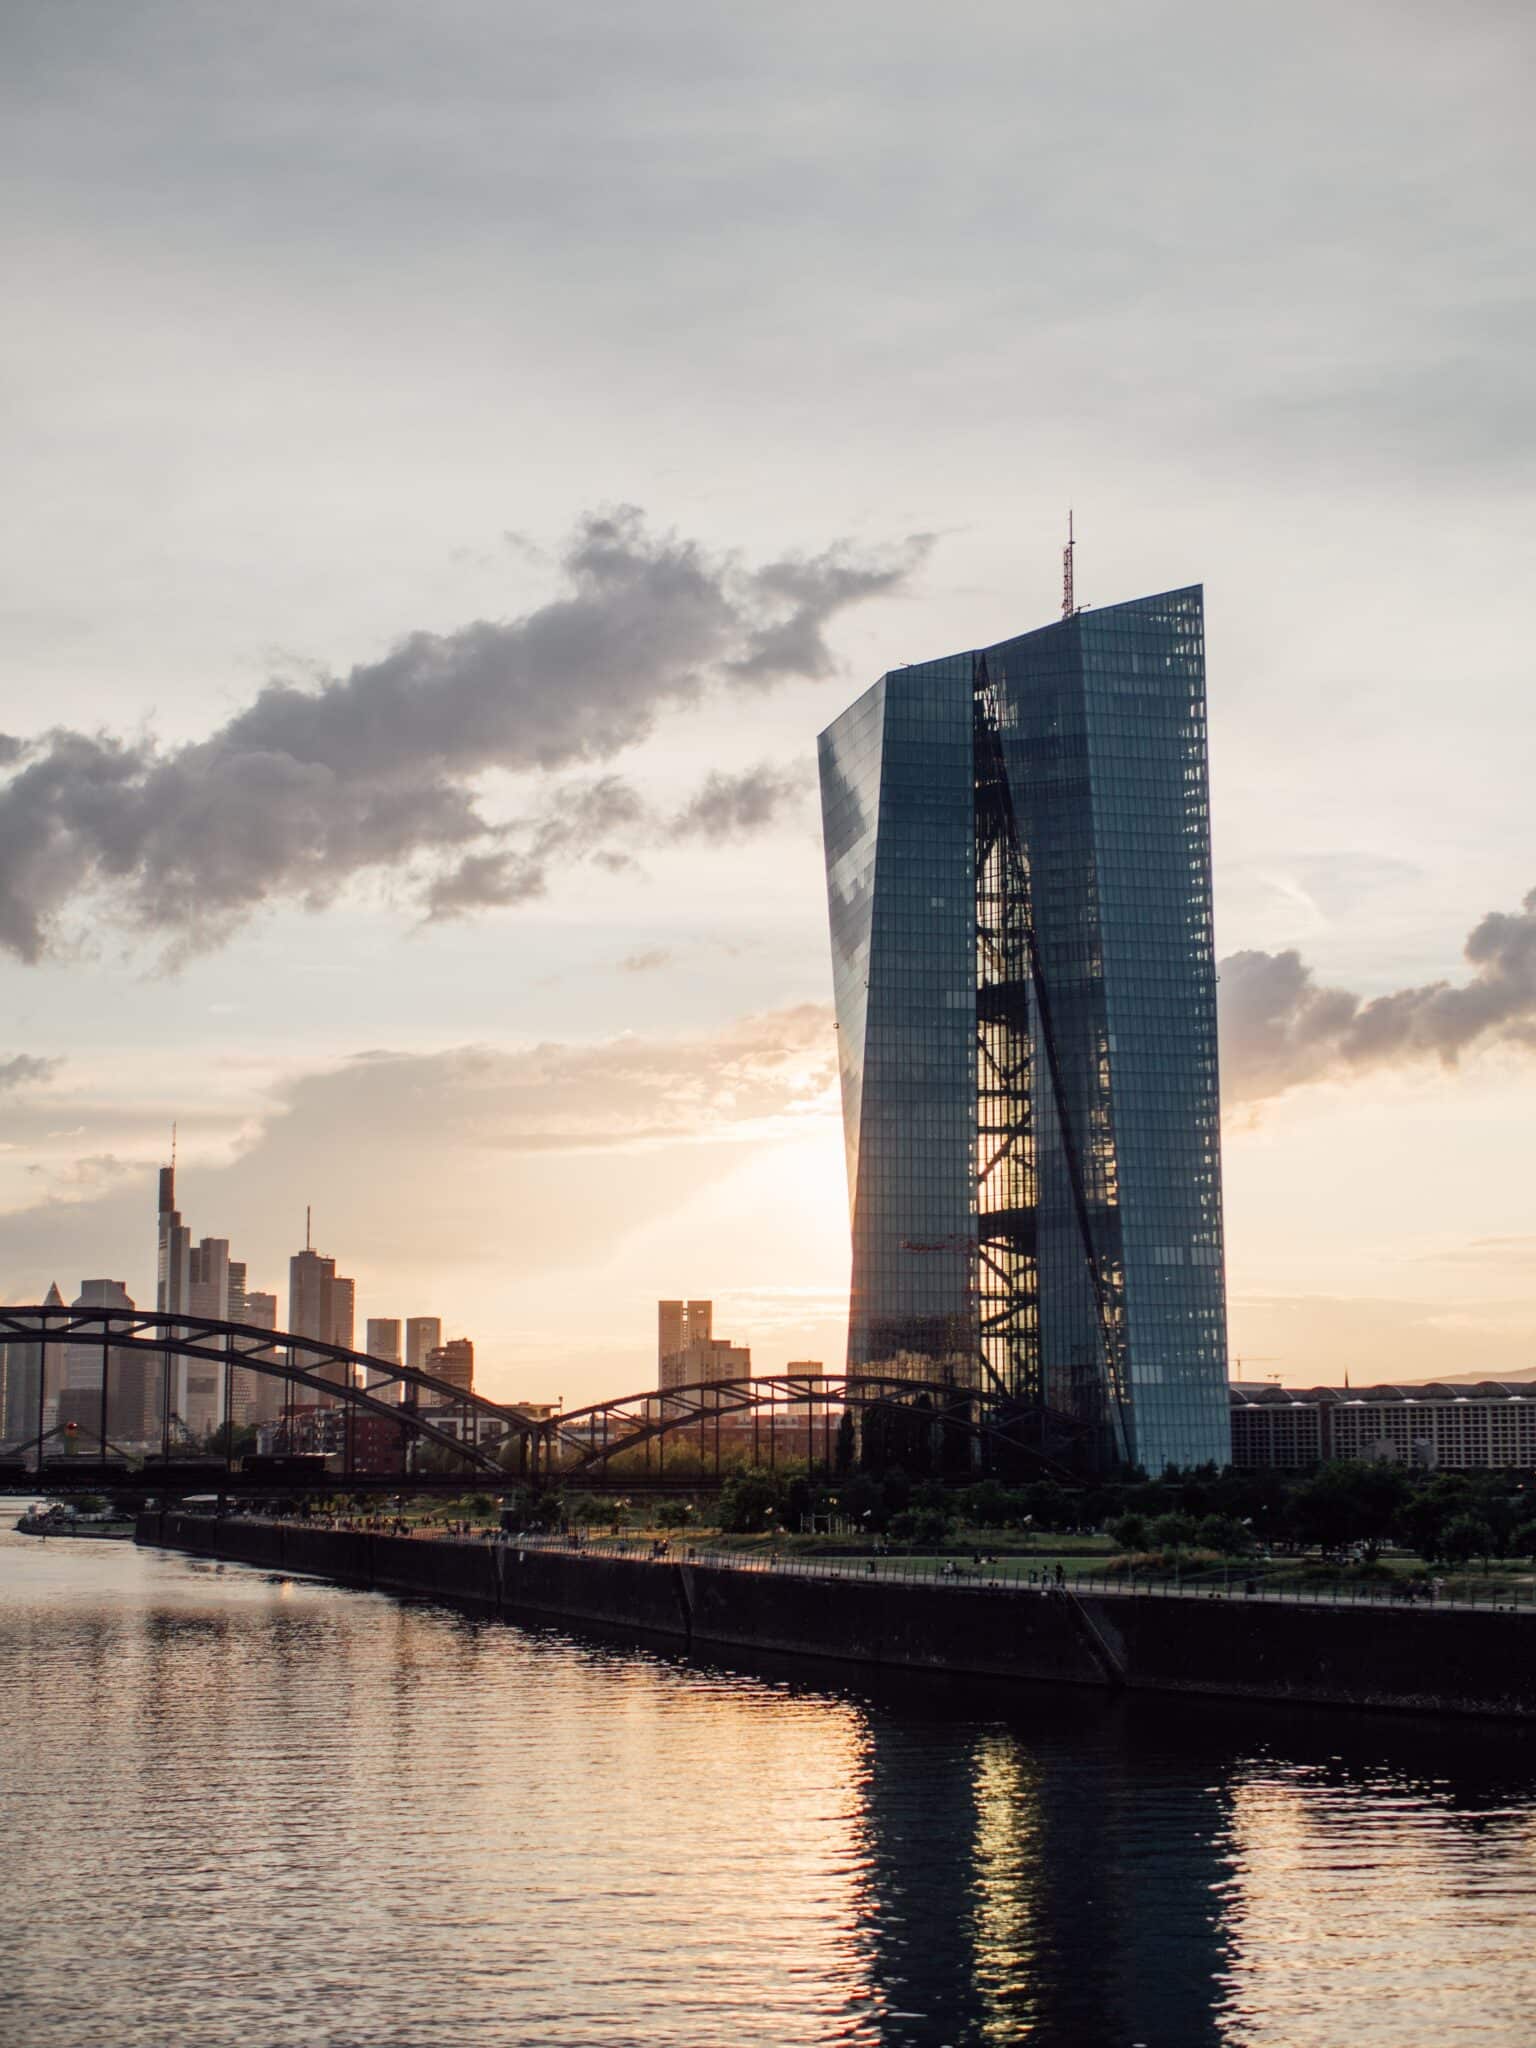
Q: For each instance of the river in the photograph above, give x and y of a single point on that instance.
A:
(238, 1809)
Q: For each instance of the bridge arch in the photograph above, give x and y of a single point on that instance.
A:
(581, 1442)
(327, 1370)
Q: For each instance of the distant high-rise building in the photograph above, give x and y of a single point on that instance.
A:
(344, 1312)
(453, 1362)
(706, 1360)
(1019, 882)
(383, 1341)
(208, 1280)
(172, 1269)
(33, 1385)
(256, 1397)
(32, 1371)
(679, 1324)
(423, 1334)
(82, 1362)
(235, 1298)
(200, 1384)
(129, 1373)
(321, 1306)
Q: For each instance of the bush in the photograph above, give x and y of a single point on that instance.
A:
(673, 1514)
(1223, 1534)
(586, 1510)
(1128, 1532)
(1173, 1532)
(861, 1502)
(924, 1527)
(526, 1510)
(988, 1505)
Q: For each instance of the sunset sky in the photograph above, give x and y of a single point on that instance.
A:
(460, 457)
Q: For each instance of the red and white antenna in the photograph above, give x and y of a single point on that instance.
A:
(1068, 602)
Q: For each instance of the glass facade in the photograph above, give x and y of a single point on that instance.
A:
(1018, 863)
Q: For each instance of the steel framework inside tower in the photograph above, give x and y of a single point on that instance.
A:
(1007, 1169)
(1014, 1028)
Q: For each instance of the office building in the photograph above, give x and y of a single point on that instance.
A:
(453, 1362)
(1018, 873)
(679, 1324)
(31, 1383)
(174, 1254)
(423, 1335)
(707, 1359)
(321, 1306)
(700, 1358)
(383, 1341)
(199, 1382)
(132, 1377)
(1489, 1425)
(200, 1280)
(255, 1398)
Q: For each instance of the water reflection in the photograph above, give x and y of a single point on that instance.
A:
(238, 1810)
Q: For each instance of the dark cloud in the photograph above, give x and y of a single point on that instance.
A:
(24, 1067)
(1280, 1029)
(728, 806)
(309, 787)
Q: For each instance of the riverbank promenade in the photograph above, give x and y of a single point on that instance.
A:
(1327, 1650)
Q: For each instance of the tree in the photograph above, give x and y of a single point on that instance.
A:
(1349, 1503)
(751, 1501)
(1224, 1534)
(583, 1509)
(1465, 1537)
(1129, 1532)
(860, 1501)
(846, 1453)
(673, 1514)
(1173, 1532)
(988, 1505)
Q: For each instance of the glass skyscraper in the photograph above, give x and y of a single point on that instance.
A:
(1019, 883)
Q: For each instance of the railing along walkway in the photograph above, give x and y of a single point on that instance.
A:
(963, 1574)
(1246, 1588)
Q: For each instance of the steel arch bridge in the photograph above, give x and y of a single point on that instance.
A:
(580, 1443)
(326, 1371)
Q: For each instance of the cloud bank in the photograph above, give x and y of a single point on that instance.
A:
(307, 788)
(1280, 1029)
(512, 1158)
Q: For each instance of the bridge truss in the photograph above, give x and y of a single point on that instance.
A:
(711, 1419)
(714, 1424)
(321, 1375)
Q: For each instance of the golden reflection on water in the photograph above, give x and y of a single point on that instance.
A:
(235, 1810)
(1009, 1857)
(1388, 1900)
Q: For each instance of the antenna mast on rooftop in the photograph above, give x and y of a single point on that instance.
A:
(1068, 601)
(306, 1226)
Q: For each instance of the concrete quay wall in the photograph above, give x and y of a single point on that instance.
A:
(1425, 1661)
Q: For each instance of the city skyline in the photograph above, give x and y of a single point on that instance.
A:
(409, 765)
